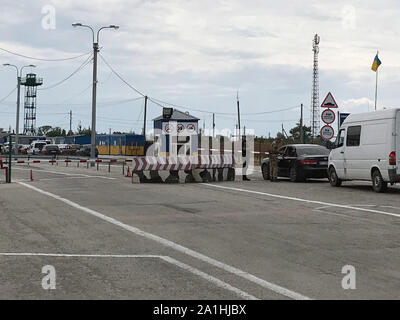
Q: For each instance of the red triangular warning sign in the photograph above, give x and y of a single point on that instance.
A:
(329, 102)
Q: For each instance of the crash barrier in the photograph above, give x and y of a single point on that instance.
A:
(183, 169)
(180, 169)
(77, 162)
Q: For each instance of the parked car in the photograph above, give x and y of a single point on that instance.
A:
(23, 148)
(71, 149)
(62, 147)
(5, 148)
(51, 149)
(84, 151)
(366, 148)
(299, 162)
(36, 147)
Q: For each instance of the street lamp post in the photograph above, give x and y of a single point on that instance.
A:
(94, 88)
(19, 76)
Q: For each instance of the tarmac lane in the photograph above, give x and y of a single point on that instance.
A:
(264, 240)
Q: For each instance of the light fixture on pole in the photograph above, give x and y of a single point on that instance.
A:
(94, 88)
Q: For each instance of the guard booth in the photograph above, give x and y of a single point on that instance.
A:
(175, 133)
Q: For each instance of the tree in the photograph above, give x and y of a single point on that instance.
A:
(83, 131)
(55, 132)
(295, 133)
(43, 130)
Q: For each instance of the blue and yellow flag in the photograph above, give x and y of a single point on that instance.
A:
(376, 63)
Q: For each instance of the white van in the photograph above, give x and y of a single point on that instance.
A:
(36, 147)
(366, 148)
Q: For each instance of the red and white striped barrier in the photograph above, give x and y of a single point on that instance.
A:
(182, 163)
(161, 163)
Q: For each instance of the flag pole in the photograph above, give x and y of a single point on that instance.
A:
(376, 83)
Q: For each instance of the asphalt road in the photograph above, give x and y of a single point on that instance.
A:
(110, 239)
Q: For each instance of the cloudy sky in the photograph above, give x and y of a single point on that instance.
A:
(198, 54)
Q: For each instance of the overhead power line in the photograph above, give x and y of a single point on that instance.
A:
(162, 103)
(44, 59)
(84, 64)
(119, 76)
(9, 94)
(223, 113)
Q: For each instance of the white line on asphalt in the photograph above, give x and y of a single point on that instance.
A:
(66, 174)
(167, 243)
(304, 200)
(184, 266)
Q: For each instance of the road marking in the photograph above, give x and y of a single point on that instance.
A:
(327, 204)
(66, 174)
(167, 243)
(184, 266)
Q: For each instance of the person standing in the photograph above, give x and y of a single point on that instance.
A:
(245, 159)
(273, 160)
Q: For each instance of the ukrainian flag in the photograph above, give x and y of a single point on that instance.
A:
(376, 63)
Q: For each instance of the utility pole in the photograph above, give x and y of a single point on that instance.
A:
(301, 124)
(70, 122)
(238, 111)
(145, 117)
(94, 87)
(213, 125)
(94, 97)
(17, 120)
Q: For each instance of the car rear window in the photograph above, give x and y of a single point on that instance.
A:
(317, 150)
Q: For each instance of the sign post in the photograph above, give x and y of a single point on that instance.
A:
(328, 116)
(329, 101)
(327, 132)
(9, 158)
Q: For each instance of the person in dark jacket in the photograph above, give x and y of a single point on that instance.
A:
(245, 159)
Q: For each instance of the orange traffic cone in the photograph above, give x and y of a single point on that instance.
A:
(128, 173)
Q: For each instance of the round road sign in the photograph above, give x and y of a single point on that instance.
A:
(328, 116)
(327, 132)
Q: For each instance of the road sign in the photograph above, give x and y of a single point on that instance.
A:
(327, 132)
(328, 116)
(329, 102)
(343, 116)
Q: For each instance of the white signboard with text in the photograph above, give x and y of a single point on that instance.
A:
(179, 128)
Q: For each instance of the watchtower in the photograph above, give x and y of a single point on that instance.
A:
(31, 83)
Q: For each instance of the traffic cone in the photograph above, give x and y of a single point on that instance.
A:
(128, 173)
(31, 176)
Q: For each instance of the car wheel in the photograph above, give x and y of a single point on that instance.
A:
(333, 178)
(295, 175)
(265, 171)
(378, 184)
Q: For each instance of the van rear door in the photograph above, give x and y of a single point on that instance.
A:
(397, 141)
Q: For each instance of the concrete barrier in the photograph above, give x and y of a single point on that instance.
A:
(184, 169)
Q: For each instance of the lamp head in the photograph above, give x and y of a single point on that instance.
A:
(77, 24)
(114, 27)
(6, 64)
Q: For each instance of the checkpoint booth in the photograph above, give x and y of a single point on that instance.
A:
(175, 133)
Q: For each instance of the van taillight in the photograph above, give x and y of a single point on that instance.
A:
(392, 158)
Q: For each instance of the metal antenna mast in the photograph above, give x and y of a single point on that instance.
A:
(315, 124)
